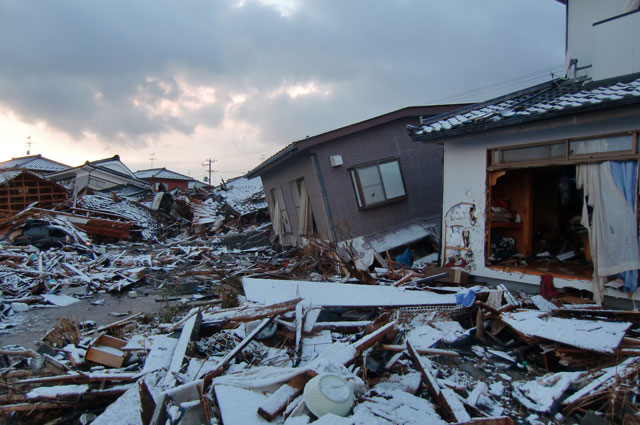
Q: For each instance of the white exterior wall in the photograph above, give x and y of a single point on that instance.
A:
(617, 47)
(465, 182)
(608, 46)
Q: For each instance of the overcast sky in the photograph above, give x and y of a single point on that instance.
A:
(236, 81)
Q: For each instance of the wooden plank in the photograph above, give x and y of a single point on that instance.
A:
(422, 351)
(147, 404)
(277, 402)
(457, 408)
(119, 322)
(368, 340)
(300, 314)
(249, 314)
(432, 385)
(28, 407)
(503, 420)
(189, 330)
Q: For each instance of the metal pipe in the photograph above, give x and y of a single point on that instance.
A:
(326, 200)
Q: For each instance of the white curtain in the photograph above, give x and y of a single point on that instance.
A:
(306, 216)
(613, 234)
(276, 219)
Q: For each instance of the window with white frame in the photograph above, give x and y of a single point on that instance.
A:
(378, 183)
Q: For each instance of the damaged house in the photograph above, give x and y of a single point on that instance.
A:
(35, 163)
(98, 175)
(20, 188)
(163, 180)
(358, 181)
(542, 182)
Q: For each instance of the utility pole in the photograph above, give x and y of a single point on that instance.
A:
(208, 162)
(152, 157)
(29, 145)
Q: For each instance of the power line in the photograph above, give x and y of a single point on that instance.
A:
(246, 152)
(209, 161)
(521, 79)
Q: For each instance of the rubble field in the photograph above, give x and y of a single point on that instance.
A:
(198, 319)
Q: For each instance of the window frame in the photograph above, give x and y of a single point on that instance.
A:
(567, 158)
(356, 183)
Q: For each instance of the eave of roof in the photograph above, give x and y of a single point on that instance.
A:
(287, 152)
(299, 145)
(434, 130)
(25, 161)
(90, 166)
(156, 173)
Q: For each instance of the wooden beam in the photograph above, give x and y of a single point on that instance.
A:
(222, 364)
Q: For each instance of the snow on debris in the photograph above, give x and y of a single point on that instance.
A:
(57, 391)
(125, 208)
(543, 393)
(269, 291)
(594, 335)
(396, 407)
(243, 195)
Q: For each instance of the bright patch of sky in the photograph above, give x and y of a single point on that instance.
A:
(181, 82)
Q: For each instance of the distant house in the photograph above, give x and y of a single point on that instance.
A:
(36, 163)
(361, 180)
(20, 188)
(543, 181)
(98, 176)
(163, 180)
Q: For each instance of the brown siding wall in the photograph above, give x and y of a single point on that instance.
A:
(421, 167)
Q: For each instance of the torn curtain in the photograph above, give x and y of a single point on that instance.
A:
(612, 225)
(277, 219)
(306, 216)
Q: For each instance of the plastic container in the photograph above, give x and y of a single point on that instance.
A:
(328, 393)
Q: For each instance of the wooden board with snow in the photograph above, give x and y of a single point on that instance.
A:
(593, 335)
(330, 294)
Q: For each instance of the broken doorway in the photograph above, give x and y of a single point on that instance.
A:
(534, 222)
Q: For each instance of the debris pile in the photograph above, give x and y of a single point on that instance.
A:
(307, 335)
(336, 351)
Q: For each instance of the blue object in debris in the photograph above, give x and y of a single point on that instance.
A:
(466, 299)
(406, 258)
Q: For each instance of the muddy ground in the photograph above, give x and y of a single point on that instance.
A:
(160, 300)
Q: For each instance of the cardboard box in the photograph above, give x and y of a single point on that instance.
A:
(106, 350)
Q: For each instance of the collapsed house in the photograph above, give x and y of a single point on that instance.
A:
(20, 188)
(97, 175)
(543, 181)
(357, 181)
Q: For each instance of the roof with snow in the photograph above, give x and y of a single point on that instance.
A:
(161, 173)
(34, 163)
(6, 176)
(547, 100)
(128, 191)
(243, 195)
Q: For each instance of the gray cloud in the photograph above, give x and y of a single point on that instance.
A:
(79, 65)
